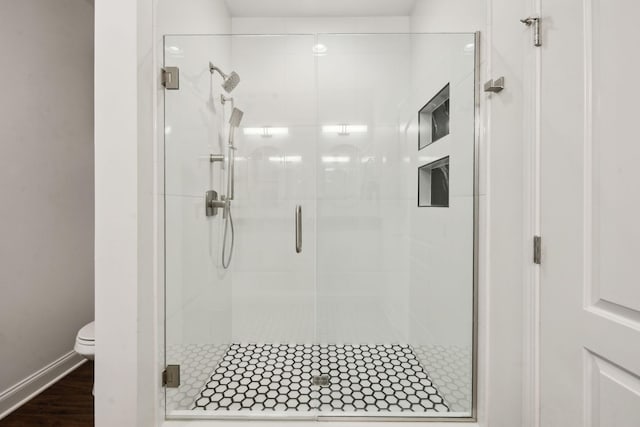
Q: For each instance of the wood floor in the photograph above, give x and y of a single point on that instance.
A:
(67, 403)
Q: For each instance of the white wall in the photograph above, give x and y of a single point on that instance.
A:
(450, 16)
(506, 252)
(46, 179)
(288, 25)
(119, 116)
(129, 200)
(191, 17)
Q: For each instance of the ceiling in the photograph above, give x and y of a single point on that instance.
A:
(319, 8)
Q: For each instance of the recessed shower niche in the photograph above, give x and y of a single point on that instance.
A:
(433, 184)
(315, 311)
(433, 119)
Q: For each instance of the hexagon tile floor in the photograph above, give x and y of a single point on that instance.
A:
(372, 378)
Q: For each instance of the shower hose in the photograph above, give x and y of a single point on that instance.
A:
(226, 260)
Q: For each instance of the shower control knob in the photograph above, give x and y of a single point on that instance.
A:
(212, 204)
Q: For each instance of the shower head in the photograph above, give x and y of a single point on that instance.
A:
(236, 117)
(230, 81)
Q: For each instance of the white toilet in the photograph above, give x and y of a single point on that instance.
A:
(86, 341)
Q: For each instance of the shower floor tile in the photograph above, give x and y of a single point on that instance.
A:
(372, 378)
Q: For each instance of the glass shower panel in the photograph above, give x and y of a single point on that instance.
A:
(395, 281)
(346, 295)
(197, 288)
(222, 322)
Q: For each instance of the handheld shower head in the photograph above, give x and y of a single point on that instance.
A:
(236, 117)
(234, 123)
(230, 81)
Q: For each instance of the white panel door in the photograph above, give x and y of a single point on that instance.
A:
(590, 207)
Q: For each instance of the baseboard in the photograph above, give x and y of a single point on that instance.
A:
(19, 394)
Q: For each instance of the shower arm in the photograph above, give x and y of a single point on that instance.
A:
(213, 68)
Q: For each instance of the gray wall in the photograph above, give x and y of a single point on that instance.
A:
(46, 181)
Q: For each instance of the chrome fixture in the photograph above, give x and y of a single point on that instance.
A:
(213, 158)
(171, 376)
(535, 21)
(234, 122)
(236, 117)
(298, 226)
(495, 86)
(225, 99)
(322, 380)
(170, 78)
(230, 81)
(537, 250)
(212, 204)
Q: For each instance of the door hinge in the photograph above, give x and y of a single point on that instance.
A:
(537, 249)
(171, 376)
(171, 78)
(535, 22)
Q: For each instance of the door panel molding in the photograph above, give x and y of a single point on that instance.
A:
(609, 390)
(595, 300)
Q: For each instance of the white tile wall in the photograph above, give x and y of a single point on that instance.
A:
(274, 287)
(311, 25)
(362, 261)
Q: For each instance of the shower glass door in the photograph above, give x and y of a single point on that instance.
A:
(350, 286)
(227, 328)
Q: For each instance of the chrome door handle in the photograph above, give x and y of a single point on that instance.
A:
(298, 229)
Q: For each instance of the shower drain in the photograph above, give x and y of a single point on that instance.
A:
(320, 380)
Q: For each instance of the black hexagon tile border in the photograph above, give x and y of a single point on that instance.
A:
(372, 378)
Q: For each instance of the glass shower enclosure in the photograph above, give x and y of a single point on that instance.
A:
(320, 226)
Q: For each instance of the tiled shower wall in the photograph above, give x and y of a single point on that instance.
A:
(350, 283)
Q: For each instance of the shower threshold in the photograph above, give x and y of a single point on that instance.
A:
(338, 379)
